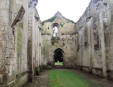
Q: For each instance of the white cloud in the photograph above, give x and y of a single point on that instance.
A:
(71, 9)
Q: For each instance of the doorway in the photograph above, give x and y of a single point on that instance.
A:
(58, 57)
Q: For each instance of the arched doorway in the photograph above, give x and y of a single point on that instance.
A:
(58, 56)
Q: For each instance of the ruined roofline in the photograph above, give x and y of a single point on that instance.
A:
(89, 7)
(85, 11)
(37, 15)
(57, 14)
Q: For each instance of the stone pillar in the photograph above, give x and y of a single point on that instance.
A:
(102, 40)
(4, 26)
(81, 42)
(40, 48)
(90, 43)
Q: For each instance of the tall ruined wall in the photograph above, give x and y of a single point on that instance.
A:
(34, 39)
(15, 49)
(94, 35)
(15, 59)
(4, 22)
(64, 40)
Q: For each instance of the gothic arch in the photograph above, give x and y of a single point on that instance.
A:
(58, 55)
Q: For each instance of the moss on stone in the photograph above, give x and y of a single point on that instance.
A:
(19, 40)
(19, 44)
(62, 24)
(71, 21)
(20, 75)
(54, 40)
(49, 20)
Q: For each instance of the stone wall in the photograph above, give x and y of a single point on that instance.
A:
(64, 40)
(95, 38)
(20, 50)
(35, 40)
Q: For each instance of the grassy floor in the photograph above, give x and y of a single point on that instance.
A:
(59, 63)
(66, 78)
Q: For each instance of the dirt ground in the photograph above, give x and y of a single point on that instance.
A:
(43, 81)
(99, 80)
(39, 81)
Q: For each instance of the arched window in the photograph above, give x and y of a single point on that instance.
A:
(55, 29)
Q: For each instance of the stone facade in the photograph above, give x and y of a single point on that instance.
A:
(95, 38)
(18, 42)
(65, 36)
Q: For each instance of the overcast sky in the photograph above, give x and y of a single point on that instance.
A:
(71, 9)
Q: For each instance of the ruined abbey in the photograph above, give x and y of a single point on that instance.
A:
(28, 45)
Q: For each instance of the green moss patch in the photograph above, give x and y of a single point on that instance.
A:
(62, 24)
(19, 40)
(49, 20)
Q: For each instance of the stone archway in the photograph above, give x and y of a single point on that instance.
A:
(58, 56)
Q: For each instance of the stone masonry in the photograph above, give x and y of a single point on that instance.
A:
(63, 40)
(27, 44)
(94, 35)
(20, 42)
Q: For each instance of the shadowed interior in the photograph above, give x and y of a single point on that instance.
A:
(58, 56)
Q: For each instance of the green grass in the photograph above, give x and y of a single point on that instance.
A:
(66, 78)
(59, 63)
